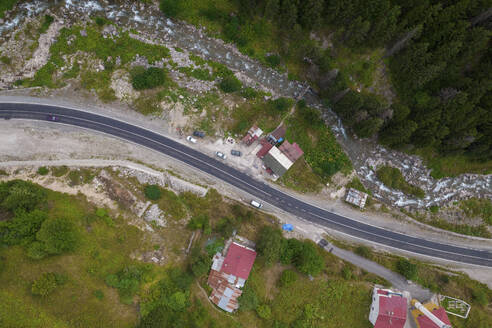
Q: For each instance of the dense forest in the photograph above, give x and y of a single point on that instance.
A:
(437, 52)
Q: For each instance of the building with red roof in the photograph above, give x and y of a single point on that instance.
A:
(292, 151)
(229, 274)
(388, 309)
(423, 320)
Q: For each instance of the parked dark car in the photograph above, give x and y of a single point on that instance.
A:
(236, 152)
(199, 134)
(323, 243)
(8, 117)
(52, 118)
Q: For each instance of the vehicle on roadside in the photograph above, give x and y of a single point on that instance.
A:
(220, 155)
(8, 117)
(236, 152)
(256, 204)
(53, 118)
(199, 134)
(191, 139)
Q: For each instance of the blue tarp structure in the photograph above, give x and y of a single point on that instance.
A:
(288, 227)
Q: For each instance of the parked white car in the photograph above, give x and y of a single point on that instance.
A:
(191, 139)
(220, 155)
(256, 204)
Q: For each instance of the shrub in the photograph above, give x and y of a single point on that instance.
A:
(171, 8)
(58, 235)
(308, 260)
(98, 294)
(148, 79)
(6, 60)
(152, 192)
(47, 283)
(393, 178)
(22, 228)
(20, 194)
(248, 299)
(249, 93)
(43, 170)
(364, 251)
(46, 24)
(230, 84)
(273, 60)
(407, 269)
(287, 278)
(347, 272)
(128, 280)
(269, 244)
(264, 311)
(36, 251)
(281, 104)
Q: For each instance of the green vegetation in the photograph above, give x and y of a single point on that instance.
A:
(393, 178)
(6, 5)
(47, 20)
(303, 255)
(128, 280)
(300, 177)
(147, 78)
(478, 207)
(122, 46)
(47, 283)
(3, 172)
(357, 185)
(437, 54)
(43, 170)
(81, 176)
(321, 150)
(59, 290)
(152, 192)
(287, 278)
(59, 171)
(230, 84)
(407, 269)
(6, 60)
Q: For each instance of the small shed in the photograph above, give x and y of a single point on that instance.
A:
(356, 197)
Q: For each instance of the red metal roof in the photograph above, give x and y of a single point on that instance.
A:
(292, 151)
(239, 261)
(392, 312)
(265, 149)
(425, 322)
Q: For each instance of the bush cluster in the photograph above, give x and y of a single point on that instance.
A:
(230, 84)
(393, 178)
(148, 78)
(304, 255)
(153, 192)
(47, 283)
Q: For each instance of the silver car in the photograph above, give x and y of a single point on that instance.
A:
(220, 155)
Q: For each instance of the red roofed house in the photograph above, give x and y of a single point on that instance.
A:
(292, 151)
(388, 309)
(423, 320)
(229, 274)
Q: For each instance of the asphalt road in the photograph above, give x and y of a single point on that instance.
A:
(258, 189)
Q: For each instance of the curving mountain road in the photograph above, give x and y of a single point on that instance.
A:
(244, 182)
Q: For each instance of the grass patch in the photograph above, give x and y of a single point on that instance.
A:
(357, 185)
(3, 172)
(321, 149)
(6, 5)
(393, 178)
(478, 207)
(300, 177)
(43, 170)
(102, 250)
(59, 171)
(45, 25)
(100, 82)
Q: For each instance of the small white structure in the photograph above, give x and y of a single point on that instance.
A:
(356, 197)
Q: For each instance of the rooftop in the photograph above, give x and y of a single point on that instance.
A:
(292, 151)
(424, 322)
(239, 261)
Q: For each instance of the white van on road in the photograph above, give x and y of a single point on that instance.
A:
(256, 204)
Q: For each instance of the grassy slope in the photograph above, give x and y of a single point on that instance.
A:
(102, 251)
(6, 5)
